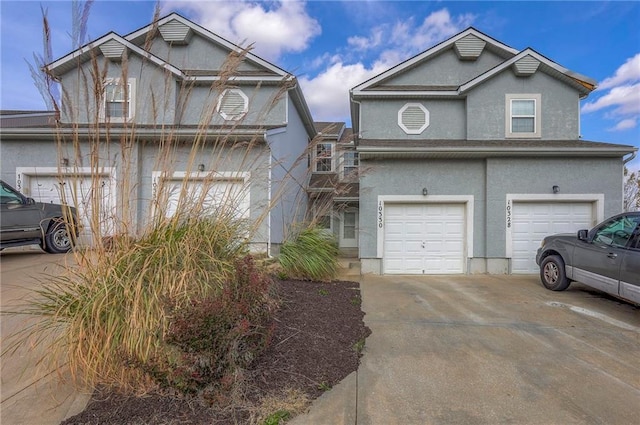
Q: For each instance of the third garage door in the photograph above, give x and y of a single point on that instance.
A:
(424, 238)
(532, 221)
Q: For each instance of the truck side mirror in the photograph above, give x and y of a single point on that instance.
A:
(583, 235)
(31, 201)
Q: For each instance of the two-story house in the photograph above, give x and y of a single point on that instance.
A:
(155, 116)
(333, 184)
(473, 154)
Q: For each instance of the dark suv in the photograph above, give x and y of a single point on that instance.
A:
(606, 257)
(25, 222)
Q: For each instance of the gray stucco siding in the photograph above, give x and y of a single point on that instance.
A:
(379, 119)
(266, 105)
(199, 54)
(486, 106)
(445, 69)
(154, 93)
(538, 176)
(240, 158)
(409, 177)
(289, 167)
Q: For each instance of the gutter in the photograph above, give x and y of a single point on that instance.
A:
(633, 155)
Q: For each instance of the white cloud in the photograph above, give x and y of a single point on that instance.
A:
(621, 98)
(629, 72)
(328, 93)
(273, 27)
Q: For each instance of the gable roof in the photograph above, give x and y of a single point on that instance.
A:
(584, 84)
(273, 74)
(493, 44)
(141, 34)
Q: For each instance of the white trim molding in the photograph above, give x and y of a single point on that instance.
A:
(467, 200)
(596, 198)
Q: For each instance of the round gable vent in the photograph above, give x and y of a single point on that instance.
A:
(413, 118)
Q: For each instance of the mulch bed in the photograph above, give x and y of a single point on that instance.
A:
(312, 349)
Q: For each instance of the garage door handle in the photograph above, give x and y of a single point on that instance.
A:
(612, 255)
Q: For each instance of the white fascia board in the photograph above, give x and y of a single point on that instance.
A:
(506, 150)
(211, 36)
(113, 36)
(239, 78)
(404, 93)
(431, 52)
(506, 64)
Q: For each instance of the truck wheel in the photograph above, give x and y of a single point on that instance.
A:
(552, 273)
(58, 240)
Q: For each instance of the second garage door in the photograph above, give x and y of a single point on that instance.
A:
(424, 238)
(532, 221)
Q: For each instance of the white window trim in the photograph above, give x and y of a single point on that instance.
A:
(329, 213)
(235, 117)
(132, 100)
(467, 200)
(537, 119)
(343, 163)
(333, 157)
(426, 118)
(596, 198)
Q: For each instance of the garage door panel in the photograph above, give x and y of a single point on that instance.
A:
(532, 221)
(431, 241)
(92, 197)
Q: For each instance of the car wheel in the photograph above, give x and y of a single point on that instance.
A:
(552, 273)
(58, 240)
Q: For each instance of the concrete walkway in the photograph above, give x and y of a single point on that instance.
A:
(31, 391)
(488, 350)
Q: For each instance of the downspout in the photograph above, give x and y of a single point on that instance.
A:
(270, 180)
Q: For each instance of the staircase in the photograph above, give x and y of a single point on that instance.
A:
(348, 268)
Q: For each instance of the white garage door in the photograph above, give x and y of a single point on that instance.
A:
(79, 192)
(228, 193)
(532, 221)
(424, 238)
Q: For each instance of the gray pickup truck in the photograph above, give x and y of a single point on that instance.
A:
(606, 257)
(25, 222)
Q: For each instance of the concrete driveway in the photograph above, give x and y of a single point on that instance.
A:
(489, 350)
(31, 391)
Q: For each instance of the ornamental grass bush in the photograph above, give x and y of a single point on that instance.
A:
(310, 253)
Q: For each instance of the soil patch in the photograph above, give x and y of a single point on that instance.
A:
(319, 332)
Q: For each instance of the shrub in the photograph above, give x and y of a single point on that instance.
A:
(311, 253)
(216, 336)
(113, 311)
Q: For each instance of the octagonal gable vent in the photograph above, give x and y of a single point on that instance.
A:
(175, 32)
(112, 50)
(413, 118)
(469, 47)
(526, 66)
(233, 104)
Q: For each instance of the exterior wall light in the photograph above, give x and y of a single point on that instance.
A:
(200, 167)
(425, 192)
(65, 162)
(556, 189)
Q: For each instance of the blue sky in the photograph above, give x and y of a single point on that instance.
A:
(334, 45)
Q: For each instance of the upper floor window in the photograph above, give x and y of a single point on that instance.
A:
(119, 99)
(233, 104)
(350, 163)
(523, 115)
(323, 160)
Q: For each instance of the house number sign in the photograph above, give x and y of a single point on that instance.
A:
(380, 217)
(509, 214)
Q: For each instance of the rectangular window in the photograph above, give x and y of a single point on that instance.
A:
(118, 100)
(324, 157)
(523, 116)
(350, 163)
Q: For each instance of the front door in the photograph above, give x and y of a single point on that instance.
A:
(349, 228)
